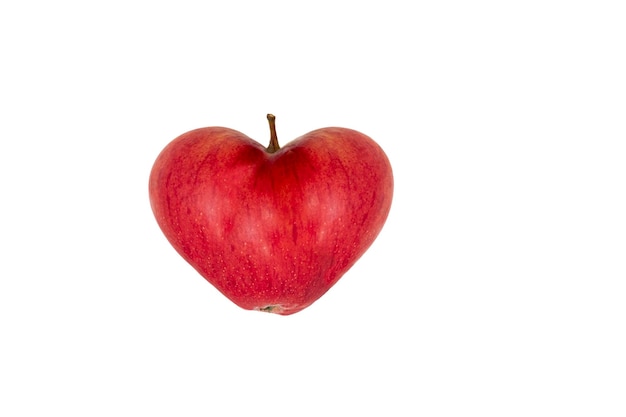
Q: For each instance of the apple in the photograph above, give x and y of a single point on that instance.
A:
(272, 228)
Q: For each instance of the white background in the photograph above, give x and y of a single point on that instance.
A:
(496, 288)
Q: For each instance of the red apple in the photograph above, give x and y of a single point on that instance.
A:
(271, 228)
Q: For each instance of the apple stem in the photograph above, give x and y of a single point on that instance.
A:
(273, 146)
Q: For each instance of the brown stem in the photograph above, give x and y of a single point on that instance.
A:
(273, 146)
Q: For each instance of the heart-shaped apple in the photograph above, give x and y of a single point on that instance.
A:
(271, 228)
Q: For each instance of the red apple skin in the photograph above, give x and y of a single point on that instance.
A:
(272, 231)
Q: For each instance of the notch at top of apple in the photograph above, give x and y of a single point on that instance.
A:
(272, 228)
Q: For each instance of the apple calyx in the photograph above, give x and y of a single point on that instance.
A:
(271, 309)
(273, 146)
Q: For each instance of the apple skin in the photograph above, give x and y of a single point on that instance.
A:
(272, 231)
